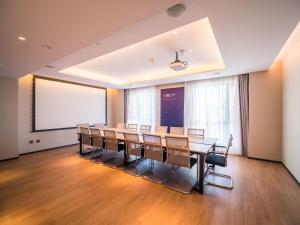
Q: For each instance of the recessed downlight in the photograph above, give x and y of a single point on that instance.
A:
(174, 32)
(176, 10)
(22, 38)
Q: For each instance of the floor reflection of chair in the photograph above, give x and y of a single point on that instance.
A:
(114, 156)
(135, 149)
(178, 154)
(153, 151)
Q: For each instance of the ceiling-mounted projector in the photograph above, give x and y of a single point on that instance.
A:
(178, 65)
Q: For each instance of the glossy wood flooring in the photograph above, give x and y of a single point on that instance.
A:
(59, 187)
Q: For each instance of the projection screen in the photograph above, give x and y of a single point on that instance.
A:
(61, 104)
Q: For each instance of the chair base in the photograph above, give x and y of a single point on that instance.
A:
(157, 173)
(104, 157)
(137, 169)
(227, 178)
(182, 181)
(116, 161)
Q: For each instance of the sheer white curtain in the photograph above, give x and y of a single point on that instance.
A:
(141, 106)
(213, 104)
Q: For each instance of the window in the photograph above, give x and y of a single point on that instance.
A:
(141, 106)
(214, 106)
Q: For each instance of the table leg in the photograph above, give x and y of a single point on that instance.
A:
(201, 173)
(80, 144)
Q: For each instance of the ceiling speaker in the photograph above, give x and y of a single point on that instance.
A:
(176, 10)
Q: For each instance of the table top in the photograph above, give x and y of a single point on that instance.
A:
(197, 145)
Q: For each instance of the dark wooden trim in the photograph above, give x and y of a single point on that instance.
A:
(273, 161)
(266, 160)
(292, 175)
(4, 160)
(42, 150)
(60, 81)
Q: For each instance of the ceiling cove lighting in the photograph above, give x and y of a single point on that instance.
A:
(151, 57)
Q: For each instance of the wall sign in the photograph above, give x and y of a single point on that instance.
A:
(172, 107)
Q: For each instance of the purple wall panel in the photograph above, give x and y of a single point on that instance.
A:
(172, 107)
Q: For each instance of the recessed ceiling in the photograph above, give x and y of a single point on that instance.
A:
(249, 33)
(195, 43)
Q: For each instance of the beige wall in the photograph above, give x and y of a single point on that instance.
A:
(8, 118)
(265, 114)
(48, 139)
(291, 109)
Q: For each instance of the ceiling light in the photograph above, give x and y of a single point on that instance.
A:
(190, 50)
(176, 10)
(22, 38)
(174, 32)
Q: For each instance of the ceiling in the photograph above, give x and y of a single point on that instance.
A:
(149, 59)
(249, 35)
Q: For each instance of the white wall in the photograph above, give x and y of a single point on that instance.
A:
(8, 118)
(291, 108)
(48, 139)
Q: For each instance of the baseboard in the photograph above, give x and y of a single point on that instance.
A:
(3, 160)
(266, 160)
(47, 149)
(291, 173)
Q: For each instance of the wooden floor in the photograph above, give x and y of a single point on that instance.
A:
(59, 187)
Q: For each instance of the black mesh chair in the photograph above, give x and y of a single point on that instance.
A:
(217, 158)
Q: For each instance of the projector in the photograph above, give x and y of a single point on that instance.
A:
(178, 65)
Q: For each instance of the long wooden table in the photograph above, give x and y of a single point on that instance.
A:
(198, 146)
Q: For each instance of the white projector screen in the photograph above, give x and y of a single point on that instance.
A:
(62, 105)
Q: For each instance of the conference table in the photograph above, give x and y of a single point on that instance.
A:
(199, 146)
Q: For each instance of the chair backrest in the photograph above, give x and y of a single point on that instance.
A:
(97, 138)
(121, 125)
(85, 135)
(85, 130)
(132, 126)
(229, 144)
(161, 129)
(95, 131)
(153, 148)
(195, 132)
(99, 125)
(178, 151)
(81, 125)
(133, 145)
(145, 128)
(111, 142)
(176, 130)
